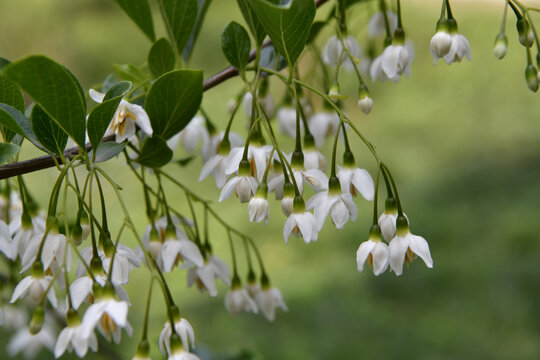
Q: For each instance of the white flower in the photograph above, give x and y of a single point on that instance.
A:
(333, 52)
(460, 48)
(501, 46)
(238, 300)
(205, 276)
(353, 179)
(392, 63)
(268, 299)
(175, 249)
(314, 159)
(82, 289)
(259, 209)
(23, 230)
(7, 246)
(286, 117)
(405, 246)
(314, 177)
(374, 251)
(12, 317)
(181, 354)
(125, 260)
(125, 118)
(194, 133)
(35, 286)
(387, 220)
(301, 223)
(287, 205)
(340, 205)
(71, 338)
(10, 206)
(183, 328)
(440, 44)
(244, 186)
(212, 148)
(323, 124)
(377, 25)
(30, 345)
(365, 103)
(267, 103)
(216, 166)
(257, 157)
(54, 246)
(109, 315)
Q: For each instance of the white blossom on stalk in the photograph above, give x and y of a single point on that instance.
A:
(365, 102)
(258, 207)
(405, 246)
(205, 276)
(374, 251)
(377, 23)
(301, 223)
(333, 52)
(268, 299)
(126, 118)
(212, 148)
(108, 315)
(7, 246)
(501, 46)
(441, 42)
(267, 103)
(194, 133)
(82, 289)
(182, 327)
(244, 185)
(314, 177)
(35, 286)
(460, 48)
(257, 157)
(72, 338)
(393, 62)
(24, 228)
(238, 299)
(314, 159)
(335, 202)
(387, 220)
(354, 179)
(286, 117)
(54, 246)
(125, 260)
(323, 124)
(30, 345)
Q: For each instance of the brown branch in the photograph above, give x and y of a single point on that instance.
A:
(47, 161)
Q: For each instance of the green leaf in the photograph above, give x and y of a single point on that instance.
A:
(13, 120)
(49, 134)
(10, 94)
(185, 161)
(201, 14)
(268, 59)
(180, 17)
(54, 88)
(315, 29)
(7, 151)
(173, 100)
(252, 21)
(287, 25)
(236, 45)
(130, 72)
(155, 152)
(107, 151)
(161, 57)
(139, 12)
(100, 118)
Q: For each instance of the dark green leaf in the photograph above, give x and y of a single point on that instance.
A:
(268, 59)
(107, 151)
(161, 57)
(201, 14)
(155, 152)
(100, 118)
(13, 120)
(108, 83)
(7, 151)
(252, 21)
(54, 88)
(47, 131)
(235, 45)
(173, 100)
(10, 94)
(315, 29)
(180, 17)
(130, 73)
(139, 12)
(3, 62)
(287, 25)
(183, 162)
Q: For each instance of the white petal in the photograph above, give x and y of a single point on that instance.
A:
(191, 252)
(141, 118)
(96, 95)
(398, 247)
(362, 181)
(362, 253)
(420, 247)
(229, 188)
(21, 288)
(381, 256)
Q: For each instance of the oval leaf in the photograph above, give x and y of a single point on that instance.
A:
(155, 152)
(161, 57)
(287, 25)
(107, 151)
(173, 100)
(13, 120)
(235, 44)
(252, 21)
(10, 94)
(7, 151)
(100, 118)
(49, 134)
(180, 18)
(139, 12)
(54, 88)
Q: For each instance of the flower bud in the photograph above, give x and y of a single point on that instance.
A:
(531, 76)
(154, 245)
(36, 323)
(441, 42)
(526, 36)
(501, 46)
(335, 94)
(365, 102)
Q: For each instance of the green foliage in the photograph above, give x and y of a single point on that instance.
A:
(253, 23)
(173, 100)
(54, 88)
(107, 151)
(155, 152)
(236, 45)
(10, 94)
(15, 121)
(100, 118)
(139, 12)
(7, 151)
(287, 25)
(49, 134)
(161, 57)
(130, 72)
(179, 17)
(203, 8)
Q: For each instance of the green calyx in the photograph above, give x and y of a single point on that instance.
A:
(170, 232)
(73, 319)
(154, 235)
(348, 160)
(175, 313)
(106, 243)
(335, 94)
(108, 291)
(26, 221)
(36, 323)
(297, 159)
(37, 270)
(452, 26)
(265, 282)
(298, 205)
(334, 186)
(531, 77)
(288, 189)
(96, 266)
(235, 283)
(363, 92)
(442, 25)
(176, 344)
(251, 277)
(309, 141)
(402, 226)
(399, 37)
(375, 233)
(224, 146)
(262, 191)
(143, 349)
(390, 206)
(244, 168)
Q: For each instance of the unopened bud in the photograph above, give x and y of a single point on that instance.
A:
(531, 76)
(36, 323)
(526, 36)
(365, 102)
(334, 93)
(501, 46)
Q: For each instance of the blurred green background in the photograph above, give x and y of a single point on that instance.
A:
(463, 143)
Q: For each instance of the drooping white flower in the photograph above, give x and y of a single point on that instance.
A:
(301, 223)
(212, 148)
(323, 124)
(109, 316)
(266, 100)
(125, 119)
(205, 276)
(393, 62)
(258, 207)
(125, 260)
(387, 220)
(365, 103)
(194, 133)
(30, 345)
(244, 186)
(35, 286)
(314, 177)
(441, 42)
(501, 45)
(354, 179)
(405, 246)
(314, 159)
(377, 23)
(54, 246)
(216, 166)
(238, 299)
(7, 246)
(268, 299)
(184, 330)
(333, 52)
(460, 48)
(374, 251)
(10, 206)
(286, 117)
(72, 338)
(335, 202)
(257, 157)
